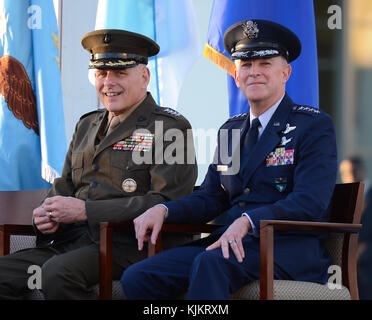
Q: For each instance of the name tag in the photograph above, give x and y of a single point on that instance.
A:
(222, 168)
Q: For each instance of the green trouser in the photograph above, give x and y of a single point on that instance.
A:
(68, 270)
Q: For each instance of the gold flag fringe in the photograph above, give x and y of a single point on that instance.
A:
(219, 59)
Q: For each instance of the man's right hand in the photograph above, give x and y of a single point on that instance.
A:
(43, 221)
(148, 225)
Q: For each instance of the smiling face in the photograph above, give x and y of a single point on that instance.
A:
(122, 89)
(262, 81)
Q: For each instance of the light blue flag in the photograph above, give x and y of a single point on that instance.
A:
(163, 21)
(297, 15)
(31, 115)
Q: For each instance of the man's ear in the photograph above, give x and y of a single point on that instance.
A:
(236, 78)
(287, 72)
(146, 75)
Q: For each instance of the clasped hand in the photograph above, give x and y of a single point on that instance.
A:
(58, 209)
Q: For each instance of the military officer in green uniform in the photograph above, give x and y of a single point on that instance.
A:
(117, 166)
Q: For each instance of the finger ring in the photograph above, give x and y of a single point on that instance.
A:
(50, 214)
(232, 241)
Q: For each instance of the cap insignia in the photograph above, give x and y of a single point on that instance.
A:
(107, 38)
(250, 29)
(119, 63)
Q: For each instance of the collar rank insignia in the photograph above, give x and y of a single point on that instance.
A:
(138, 142)
(288, 128)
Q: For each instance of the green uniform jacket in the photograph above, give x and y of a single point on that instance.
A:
(105, 177)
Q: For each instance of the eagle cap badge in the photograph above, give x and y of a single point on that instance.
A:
(250, 29)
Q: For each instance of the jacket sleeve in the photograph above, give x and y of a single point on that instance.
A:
(62, 186)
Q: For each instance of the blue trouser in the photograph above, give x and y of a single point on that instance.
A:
(204, 274)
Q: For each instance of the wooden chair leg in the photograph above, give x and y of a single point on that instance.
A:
(4, 243)
(352, 277)
(105, 288)
(154, 249)
(267, 263)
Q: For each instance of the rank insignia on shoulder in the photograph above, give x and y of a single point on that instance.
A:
(306, 109)
(172, 112)
(238, 116)
(280, 157)
(138, 142)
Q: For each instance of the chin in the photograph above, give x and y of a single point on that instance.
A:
(255, 97)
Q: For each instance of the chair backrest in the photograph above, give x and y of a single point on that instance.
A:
(346, 207)
(347, 203)
(16, 206)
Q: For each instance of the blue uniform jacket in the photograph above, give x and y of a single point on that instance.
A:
(289, 175)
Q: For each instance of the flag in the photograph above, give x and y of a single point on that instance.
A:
(298, 16)
(32, 131)
(172, 24)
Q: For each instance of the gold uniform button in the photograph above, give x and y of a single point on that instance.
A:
(129, 185)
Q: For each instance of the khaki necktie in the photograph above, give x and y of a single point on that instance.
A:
(115, 121)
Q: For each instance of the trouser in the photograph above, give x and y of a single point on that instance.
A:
(204, 274)
(68, 270)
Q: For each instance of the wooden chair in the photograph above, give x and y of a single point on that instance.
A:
(343, 228)
(16, 231)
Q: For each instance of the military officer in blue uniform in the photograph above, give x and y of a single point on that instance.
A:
(284, 168)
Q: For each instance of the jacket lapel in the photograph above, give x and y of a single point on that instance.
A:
(233, 182)
(269, 140)
(94, 132)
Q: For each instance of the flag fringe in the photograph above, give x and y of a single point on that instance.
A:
(48, 173)
(219, 59)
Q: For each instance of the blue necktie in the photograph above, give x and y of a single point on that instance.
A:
(249, 142)
(251, 137)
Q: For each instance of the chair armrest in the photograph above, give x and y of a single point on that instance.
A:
(106, 231)
(190, 228)
(285, 225)
(267, 228)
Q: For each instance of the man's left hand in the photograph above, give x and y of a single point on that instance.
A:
(65, 209)
(232, 238)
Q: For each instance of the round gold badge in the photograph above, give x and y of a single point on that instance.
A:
(129, 185)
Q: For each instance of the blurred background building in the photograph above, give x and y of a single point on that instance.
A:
(345, 74)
